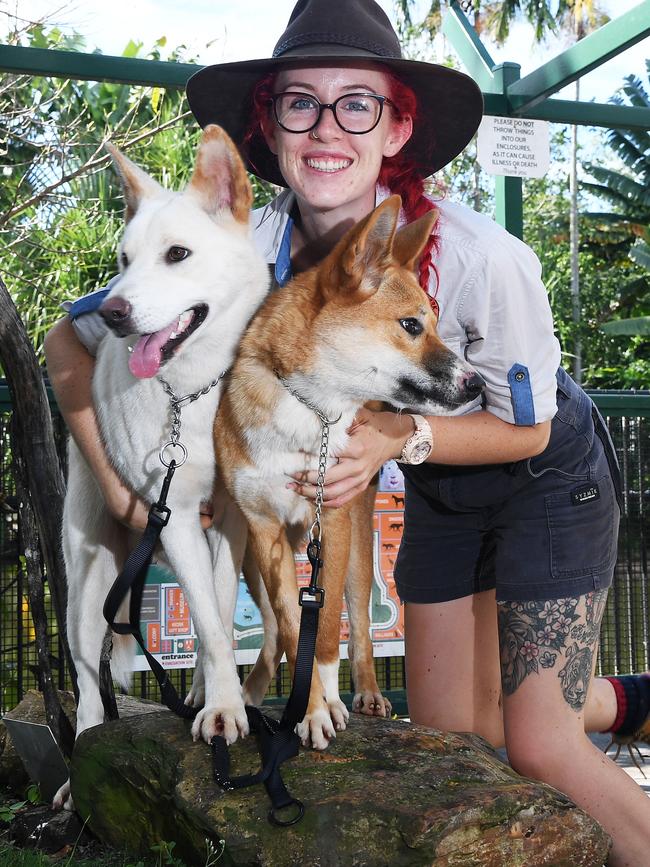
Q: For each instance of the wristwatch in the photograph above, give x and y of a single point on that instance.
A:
(417, 447)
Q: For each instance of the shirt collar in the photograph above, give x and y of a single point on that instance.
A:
(274, 225)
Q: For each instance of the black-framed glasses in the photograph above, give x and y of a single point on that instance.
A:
(357, 113)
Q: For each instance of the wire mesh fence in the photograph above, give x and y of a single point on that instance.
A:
(624, 634)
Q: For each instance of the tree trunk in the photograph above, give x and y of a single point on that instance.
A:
(30, 544)
(33, 428)
(384, 793)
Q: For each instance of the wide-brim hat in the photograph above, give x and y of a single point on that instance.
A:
(450, 103)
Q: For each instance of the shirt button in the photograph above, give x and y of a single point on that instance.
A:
(520, 376)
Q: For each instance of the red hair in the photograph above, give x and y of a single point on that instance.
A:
(399, 174)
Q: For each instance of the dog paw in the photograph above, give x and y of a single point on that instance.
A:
(372, 704)
(339, 714)
(229, 722)
(63, 799)
(316, 729)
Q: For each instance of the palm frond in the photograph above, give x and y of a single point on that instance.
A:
(640, 253)
(640, 325)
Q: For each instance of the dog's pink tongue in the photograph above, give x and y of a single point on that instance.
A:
(145, 360)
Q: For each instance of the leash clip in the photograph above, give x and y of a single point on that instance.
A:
(313, 596)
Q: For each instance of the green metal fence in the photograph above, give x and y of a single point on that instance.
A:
(624, 635)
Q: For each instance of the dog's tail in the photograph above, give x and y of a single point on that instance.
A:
(122, 658)
(123, 649)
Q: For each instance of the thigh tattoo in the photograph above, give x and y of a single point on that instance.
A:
(560, 633)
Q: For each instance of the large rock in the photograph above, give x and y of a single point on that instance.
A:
(384, 793)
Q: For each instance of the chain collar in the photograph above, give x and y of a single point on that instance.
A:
(315, 529)
(321, 415)
(176, 404)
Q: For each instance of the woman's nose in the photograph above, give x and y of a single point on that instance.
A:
(327, 127)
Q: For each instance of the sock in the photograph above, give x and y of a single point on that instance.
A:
(633, 699)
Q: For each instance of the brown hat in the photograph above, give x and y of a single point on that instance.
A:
(345, 31)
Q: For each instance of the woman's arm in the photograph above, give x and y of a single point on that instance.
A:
(70, 368)
(472, 439)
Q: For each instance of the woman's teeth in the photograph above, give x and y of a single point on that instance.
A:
(328, 165)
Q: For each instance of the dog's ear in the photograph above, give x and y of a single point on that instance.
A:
(136, 183)
(356, 266)
(220, 181)
(411, 239)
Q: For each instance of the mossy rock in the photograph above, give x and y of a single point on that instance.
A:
(384, 793)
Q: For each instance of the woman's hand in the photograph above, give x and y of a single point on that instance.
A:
(374, 438)
(126, 507)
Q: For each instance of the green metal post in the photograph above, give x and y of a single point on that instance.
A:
(474, 55)
(508, 191)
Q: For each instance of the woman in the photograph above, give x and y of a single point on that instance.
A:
(340, 120)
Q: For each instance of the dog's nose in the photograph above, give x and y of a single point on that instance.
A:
(473, 384)
(115, 312)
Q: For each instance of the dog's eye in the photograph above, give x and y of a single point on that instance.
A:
(411, 325)
(177, 254)
(124, 259)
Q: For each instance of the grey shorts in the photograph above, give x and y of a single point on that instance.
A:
(542, 528)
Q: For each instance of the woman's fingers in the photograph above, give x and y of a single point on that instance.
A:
(344, 480)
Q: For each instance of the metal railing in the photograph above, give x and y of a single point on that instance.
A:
(624, 644)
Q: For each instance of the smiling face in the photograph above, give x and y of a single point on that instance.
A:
(330, 169)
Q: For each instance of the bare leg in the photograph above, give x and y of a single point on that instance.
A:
(452, 665)
(548, 653)
(452, 670)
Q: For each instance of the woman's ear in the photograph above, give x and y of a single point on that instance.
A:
(400, 132)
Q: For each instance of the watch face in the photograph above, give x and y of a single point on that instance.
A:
(420, 452)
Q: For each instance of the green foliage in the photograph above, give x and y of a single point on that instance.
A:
(8, 812)
(640, 253)
(611, 284)
(60, 202)
(162, 855)
(164, 852)
(545, 16)
(627, 190)
(637, 326)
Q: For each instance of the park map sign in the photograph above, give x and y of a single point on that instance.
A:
(166, 620)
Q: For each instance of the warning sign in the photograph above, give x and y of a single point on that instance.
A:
(514, 146)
